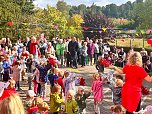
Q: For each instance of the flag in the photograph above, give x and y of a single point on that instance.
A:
(137, 34)
(142, 31)
(104, 29)
(100, 32)
(86, 28)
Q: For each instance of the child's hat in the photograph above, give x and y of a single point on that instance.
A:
(30, 93)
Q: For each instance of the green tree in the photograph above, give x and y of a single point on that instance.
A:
(74, 25)
(141, 14)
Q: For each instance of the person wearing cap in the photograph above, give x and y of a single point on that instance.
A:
(81, 97)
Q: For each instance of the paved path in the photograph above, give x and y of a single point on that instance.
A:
(87, 73)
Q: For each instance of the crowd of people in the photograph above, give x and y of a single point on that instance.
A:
(41, 61)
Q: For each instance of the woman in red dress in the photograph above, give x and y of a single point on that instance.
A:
(134, 75)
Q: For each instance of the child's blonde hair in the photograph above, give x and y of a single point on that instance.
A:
(55, 70)
(71, 92)
(119, 82)
(1, 58)
(55, 88)
(12, 105)
(12, 83)
(43, 107)
(61, 73)
(96, 76)
(31, 56)
(37, 101)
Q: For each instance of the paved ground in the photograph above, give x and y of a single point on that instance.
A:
(87, 72)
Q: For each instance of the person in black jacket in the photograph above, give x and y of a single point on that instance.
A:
(73, 49)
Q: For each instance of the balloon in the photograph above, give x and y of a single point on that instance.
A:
(149, 41)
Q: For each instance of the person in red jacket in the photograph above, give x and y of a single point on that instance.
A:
(134, 75)
(60, 80)
(33, 46)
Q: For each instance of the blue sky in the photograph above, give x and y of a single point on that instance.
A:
(43, 3)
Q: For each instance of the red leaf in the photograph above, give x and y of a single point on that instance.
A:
(10, 24)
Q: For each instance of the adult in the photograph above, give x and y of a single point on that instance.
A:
(73, 49)
(96, 51)
(143, 52)
(27, 43)
(43, 46)
(60, 49)
(49, 50)
(83, 53)
(135, 74)
(90, 51)
(19, 47)
(67, 53)
(100, 47)
(121, 58)
(33, 46)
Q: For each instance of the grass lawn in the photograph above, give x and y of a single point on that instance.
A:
(136, 43)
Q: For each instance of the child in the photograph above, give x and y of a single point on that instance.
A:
(60, 80)
(116, 89)
(30, 70)
(29, 63)
(81, 97)
(17, 74)
(69, 82)
(43, 69)
(35, 104)
(43, 108)
(23, 67)
(118, 109)
(6, 66)
(71, 106)
(55, 99)
(99, 66)
(36, 81)
(53, 76)
(11, 85)
(29, 99)
(97, 90)
(1, 67)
